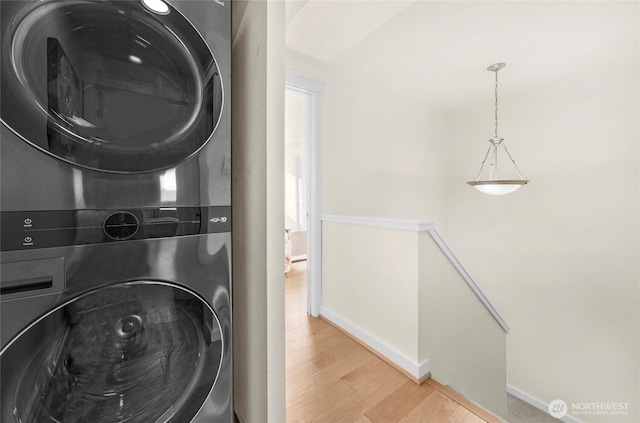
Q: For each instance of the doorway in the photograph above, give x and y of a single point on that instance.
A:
(303, 96)
(297, 128)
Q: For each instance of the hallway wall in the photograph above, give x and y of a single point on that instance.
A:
(382, 151)
(559, 257)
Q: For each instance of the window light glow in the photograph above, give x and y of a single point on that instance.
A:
(135, 59)
(156, 6)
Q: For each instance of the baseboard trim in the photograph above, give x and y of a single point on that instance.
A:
(476, 409)
(417, 372)
(540, 405)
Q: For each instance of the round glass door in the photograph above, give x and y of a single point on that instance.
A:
(137, 352)
(119, 86)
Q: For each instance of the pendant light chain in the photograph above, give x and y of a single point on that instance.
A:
(494, 185)
(496, 108)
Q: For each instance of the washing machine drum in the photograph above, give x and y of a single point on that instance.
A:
(138, 352)
(118, 86)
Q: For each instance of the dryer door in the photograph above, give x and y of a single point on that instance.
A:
(121, 86)
(140, 352)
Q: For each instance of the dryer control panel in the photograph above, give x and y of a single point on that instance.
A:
(25, 230)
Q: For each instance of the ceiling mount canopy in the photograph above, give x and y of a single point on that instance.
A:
(493, 185)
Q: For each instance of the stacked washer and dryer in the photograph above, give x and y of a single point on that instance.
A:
(115, 211)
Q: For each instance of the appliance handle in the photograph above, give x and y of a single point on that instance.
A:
(21, 279)
(23, 285)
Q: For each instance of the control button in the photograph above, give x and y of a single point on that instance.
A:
(28, 222)
(28, 241)
(121, 225)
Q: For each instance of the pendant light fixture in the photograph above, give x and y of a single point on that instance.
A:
(492, 185)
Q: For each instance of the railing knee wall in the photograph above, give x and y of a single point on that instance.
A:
(397, 287)
(369, 279)
(465, 343)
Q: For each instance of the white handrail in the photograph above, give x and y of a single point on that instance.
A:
(380, 222)
(423, 226)
(467, 278)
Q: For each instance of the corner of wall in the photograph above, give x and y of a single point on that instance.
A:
(258, 210)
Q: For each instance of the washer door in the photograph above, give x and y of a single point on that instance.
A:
(135, 352)
(118, 86)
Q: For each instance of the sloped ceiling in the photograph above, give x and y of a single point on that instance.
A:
(325, 29)
(438, 51)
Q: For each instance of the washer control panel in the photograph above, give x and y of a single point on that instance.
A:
(25, 230)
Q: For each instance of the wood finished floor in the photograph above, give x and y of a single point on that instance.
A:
(333, 379)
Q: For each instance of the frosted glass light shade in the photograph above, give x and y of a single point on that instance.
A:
(498, 187)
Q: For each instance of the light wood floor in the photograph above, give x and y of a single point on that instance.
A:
(331, 378)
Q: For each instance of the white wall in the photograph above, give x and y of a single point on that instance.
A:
(370, 278)
(305, 65)
(258, 210)
(559, 257)
(382, 152)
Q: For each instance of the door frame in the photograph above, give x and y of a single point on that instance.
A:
(313, 88)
